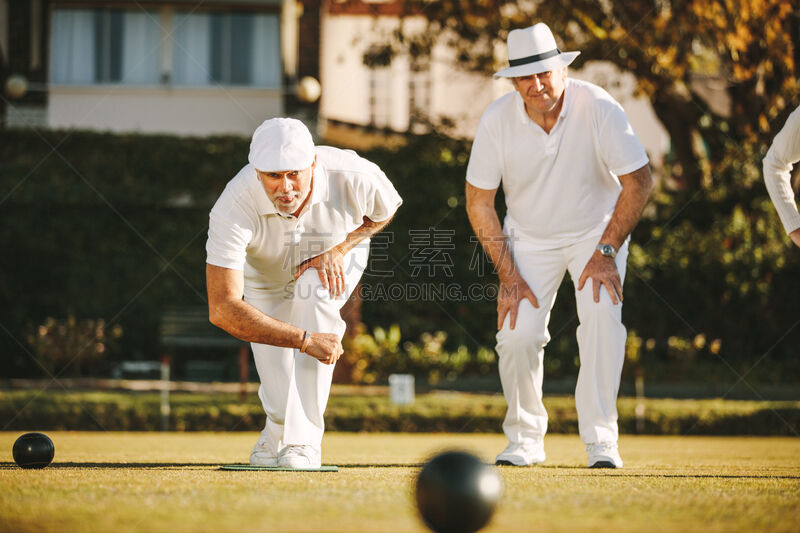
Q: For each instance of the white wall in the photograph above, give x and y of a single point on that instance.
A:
(346, 81)
(181, 111)
(460, 95)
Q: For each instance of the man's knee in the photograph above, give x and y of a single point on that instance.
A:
(605, 309)
(309, 288)
(530, 331)
(314, 308)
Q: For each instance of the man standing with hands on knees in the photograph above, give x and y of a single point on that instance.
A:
(576, 180)
(778, 163)
(288, 241)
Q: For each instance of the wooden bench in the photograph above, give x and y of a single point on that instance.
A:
(188, 327)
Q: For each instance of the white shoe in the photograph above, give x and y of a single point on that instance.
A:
(522, 454)
(265, 451)
(300, 456)
(604, 455)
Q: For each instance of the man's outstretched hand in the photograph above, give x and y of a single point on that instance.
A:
(324, 347)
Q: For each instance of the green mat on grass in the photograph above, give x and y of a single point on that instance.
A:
(323, 468)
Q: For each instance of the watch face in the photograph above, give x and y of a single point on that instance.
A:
(607, 250)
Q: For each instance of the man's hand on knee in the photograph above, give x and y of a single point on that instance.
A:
(330, 267)
(602, 270)
(509, 297)
(325, 347)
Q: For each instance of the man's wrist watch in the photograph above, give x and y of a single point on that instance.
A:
(607, 250)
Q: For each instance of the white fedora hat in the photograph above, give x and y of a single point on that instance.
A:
(533, 50)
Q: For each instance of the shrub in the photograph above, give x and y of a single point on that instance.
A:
(373, 357)
(71, 346)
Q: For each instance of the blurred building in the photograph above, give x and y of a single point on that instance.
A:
(400, 93)
(195, 67)
(180, 66)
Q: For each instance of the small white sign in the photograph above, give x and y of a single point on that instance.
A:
(401, 389)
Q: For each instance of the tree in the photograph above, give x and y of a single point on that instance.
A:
(750, 44)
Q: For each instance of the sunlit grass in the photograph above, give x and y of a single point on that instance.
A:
(171, 482)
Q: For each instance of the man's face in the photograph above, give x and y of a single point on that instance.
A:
(542, 92)
(287, 189)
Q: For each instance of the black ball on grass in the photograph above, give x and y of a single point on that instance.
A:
(457, 493)
(33, 450)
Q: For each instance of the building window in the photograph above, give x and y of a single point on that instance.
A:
(102, 46)
(419, 96)
(227, 49)
(113, 46)
(380, 97)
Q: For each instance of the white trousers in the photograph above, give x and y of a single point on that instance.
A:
(295, 386)
(601, 344)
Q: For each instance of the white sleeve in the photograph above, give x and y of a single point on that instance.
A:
(620, 148)
(382, 199)
(782, 155)
(230, 231)
(485, 167)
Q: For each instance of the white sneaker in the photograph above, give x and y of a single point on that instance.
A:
(522, 454)
(604, 455)
(300, 456)
(265, 451)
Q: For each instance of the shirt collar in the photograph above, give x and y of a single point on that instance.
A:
(523, 115)
(319, 192)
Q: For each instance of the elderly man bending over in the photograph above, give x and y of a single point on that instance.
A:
(288, 240)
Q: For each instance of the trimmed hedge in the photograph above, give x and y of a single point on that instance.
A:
(431, 412)
(113, 227)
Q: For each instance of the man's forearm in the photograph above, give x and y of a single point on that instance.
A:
(227, 310)
(779, 187)
(487, 228)
(247, 323)
(636, 188)
(364, 231)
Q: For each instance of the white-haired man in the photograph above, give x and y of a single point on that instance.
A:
(576, 180)
(778, 163)
(288, 241)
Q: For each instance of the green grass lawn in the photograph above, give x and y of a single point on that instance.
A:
(171, 482)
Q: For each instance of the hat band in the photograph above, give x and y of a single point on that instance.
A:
(533, 58)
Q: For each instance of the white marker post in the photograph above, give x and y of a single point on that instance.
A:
(401, 389)
(165, 410)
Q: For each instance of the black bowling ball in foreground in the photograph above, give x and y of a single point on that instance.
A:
(457, 493)
(33, 450)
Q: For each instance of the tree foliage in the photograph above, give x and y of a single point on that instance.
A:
(750, 46)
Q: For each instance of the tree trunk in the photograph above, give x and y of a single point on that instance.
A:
(351, 314)
(679, 116)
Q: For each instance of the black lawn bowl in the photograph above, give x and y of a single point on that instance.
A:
(33, 450)
(457, 493)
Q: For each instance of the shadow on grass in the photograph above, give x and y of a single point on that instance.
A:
(5, 466)
(156, 466)
(572, 471)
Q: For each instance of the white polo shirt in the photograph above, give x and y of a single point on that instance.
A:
(246, 232)
(561, 187)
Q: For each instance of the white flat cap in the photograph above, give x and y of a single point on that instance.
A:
(281, 144)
